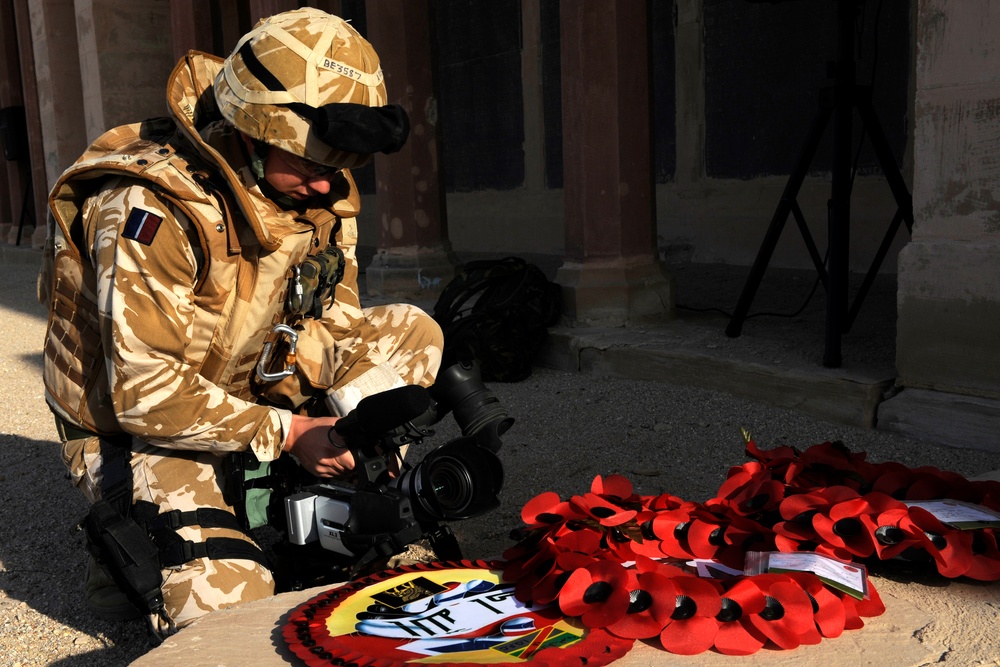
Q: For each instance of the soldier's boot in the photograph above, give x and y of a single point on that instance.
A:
(105, 599)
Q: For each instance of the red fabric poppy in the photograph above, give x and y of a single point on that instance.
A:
(727, 539)
(827, 607)
(787, 618)
(987, 493)
(749, 490)
(601, 510)
(545, 589)
(547, 510)
(621, 543)
(736, 635)
(785, 543)
(540, 577)
(705, 534)
(528, 556)
(829, 464)
(744, 535)
(652, 598)
(692, 625)
(662, 502)
(574, 551)
(985, 556)
(893, 479)
(855, 609)
(842, 533)
(951, 549)
(777, 458)
(670, 527)
(880, 520)
(586, 541)
(819, 500)
(891, 531)
(797, 531)
(930, 483)
(616, 488)
(597, 593)
(644, 541)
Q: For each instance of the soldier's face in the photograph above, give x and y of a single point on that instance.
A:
(296, 177)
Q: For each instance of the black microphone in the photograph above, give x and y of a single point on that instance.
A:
(380, 413)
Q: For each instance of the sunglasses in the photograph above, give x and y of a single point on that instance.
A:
(309, 168)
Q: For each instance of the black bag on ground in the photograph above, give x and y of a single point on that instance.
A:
(497, 311)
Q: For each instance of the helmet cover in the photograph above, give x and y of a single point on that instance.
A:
(308, 83)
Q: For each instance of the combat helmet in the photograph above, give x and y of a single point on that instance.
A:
(308, 83)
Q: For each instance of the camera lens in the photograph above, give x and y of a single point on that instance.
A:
(458, 480)
(451, 484)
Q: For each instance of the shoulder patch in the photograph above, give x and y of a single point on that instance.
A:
(141, 226)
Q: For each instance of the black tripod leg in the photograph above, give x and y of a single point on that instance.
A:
(904, 200)
(788, 198)
(886, 160)
(24, 209)
(883, 250)
(810, 244)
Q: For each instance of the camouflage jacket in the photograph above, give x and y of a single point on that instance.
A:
(169, 271)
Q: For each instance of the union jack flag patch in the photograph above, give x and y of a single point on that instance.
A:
(141, 226)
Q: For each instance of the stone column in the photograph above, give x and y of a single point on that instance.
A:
(191, 26)
(60, 94)
(126, 55)
(689, 86)
(531, 90)
(260, 9)
(413, 255)
(611, 274)
(948, 298)
(14, 173)
(949, 274)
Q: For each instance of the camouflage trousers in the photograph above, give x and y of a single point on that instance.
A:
(410, 342)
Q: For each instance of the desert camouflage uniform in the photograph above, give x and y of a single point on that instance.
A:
(155, 328)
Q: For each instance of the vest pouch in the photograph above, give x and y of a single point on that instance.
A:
(257, 499)
(315, 363)
(249, 489)
(128, 554)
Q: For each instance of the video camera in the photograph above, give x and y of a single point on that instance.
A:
(380, 515)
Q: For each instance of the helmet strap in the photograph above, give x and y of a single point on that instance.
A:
(257, 157)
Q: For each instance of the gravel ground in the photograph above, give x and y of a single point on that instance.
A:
(568, 429)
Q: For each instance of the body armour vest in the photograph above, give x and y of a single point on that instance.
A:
(244, 248)
(239, 295)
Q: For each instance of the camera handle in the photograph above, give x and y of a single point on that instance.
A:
(371, 467)
(395, 529)
(441, 538)
(444, 543)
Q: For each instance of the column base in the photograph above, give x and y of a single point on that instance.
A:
(948, 313)
(38, 237)
(615, 293)
(25, 233)
(412, 273)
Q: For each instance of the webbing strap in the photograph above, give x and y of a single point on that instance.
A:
(174, 550)
(216, 548)
(116, 472)
(206, 517)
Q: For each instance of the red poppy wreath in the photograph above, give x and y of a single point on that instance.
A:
(715, 575)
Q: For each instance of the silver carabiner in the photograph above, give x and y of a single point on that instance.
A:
(265, 355)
